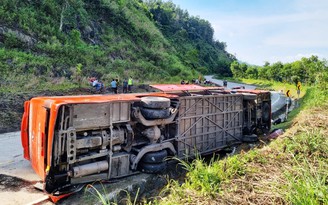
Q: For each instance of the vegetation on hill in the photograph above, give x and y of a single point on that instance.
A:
(58, 42)
(310, 71)
(192, 37)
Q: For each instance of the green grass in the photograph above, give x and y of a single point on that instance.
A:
(308, 175)
(307, 184)
(101, 196)
(206, 178)
(32, 84)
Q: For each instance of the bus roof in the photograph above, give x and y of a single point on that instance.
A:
(185, 87)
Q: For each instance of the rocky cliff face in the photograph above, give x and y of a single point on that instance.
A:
(21, 36)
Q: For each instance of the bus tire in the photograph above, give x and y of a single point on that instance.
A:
(149, 113)
(152, 168)
(155, 102)
(250, 138)
(154, 157)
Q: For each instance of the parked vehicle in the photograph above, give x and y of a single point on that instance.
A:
(71, 140)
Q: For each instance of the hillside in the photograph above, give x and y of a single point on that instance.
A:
(58, 44)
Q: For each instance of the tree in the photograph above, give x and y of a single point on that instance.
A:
(192, 58)
(78, 74)
(252, 72)
(286, 72)
(235, 69)
(192, 38)
(273, 71)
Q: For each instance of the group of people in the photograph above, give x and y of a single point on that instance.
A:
(193, 81)
(99, 86)
(196, 81)
(184, 82)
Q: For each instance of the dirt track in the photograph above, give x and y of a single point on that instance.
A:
(12, 106)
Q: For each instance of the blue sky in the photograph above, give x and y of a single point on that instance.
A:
(266, 30)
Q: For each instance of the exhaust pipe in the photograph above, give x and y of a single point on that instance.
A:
(88, 169)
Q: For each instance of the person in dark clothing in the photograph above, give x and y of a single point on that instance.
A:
(125, 86)
(225, 83)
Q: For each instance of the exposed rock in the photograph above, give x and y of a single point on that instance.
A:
(91, 33)
(24, 38)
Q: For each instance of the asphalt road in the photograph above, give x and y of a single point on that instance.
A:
(230, 84)
(12, 164)
(11, 159)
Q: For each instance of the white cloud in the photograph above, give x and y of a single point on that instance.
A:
(310, 5)
(298, 38)
(257, 39)
(240, 24)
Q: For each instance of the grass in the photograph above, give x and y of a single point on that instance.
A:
(307, 184)
(307, 174)
(101, 195)
(30, 84)
(206, 178)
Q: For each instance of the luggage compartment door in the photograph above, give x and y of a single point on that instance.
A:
(209, 123)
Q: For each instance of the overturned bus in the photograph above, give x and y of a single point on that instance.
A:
(72, 140)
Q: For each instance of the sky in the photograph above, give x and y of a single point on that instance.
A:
(259, 31)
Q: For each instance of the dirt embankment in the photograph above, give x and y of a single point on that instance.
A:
(11, 110)
(12, 104)
(12, 107)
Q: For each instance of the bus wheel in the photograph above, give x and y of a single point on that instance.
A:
(155, 102)
(152, 168)
(150, 113)
(154, 157)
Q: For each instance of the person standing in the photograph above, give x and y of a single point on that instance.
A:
(125, 86)
(130, 84)
(113, 85)
(225, 83)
